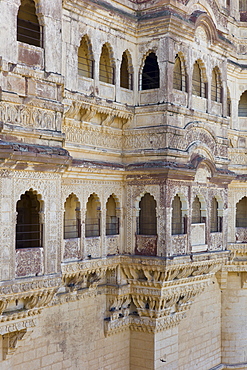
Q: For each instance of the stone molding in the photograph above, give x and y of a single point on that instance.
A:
(30, 116)
(148, 294)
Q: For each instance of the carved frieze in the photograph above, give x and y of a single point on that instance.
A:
(30, 117)
(94, 135)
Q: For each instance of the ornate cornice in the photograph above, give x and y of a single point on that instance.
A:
(142, 293)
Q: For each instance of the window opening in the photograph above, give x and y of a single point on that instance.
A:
(106, 69)
(241, 213)
(28, 227)
(151, 73)
(242, 6)
(216, 221)
(28, 29)
(126, 78)
(147, 216)
(228, 103)
(92, 224)
(112, 221)
(177, 74)
(196, 211)
(242, 106)
(198, 86)
(215, 86)
(72, 219)
(196, 80)
(85, 59)
(178, 222)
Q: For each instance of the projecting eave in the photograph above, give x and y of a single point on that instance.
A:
(160, 169)
(170, 170)
(80, 164)
(21, 156)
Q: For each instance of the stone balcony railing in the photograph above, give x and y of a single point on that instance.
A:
(199, 103)
(30, 55)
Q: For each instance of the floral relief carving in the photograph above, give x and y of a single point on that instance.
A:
(179, 244)
(93, 247)
(112, 244)
(29, 262)
(71, 249)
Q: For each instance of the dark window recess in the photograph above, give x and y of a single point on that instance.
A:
(29, 230)
(85, 67)
(242, 105)
(107, 74)
(28, 29)
(179, 223)
(147, 223)
(106, 67)
(126, 78)
(151, 73)
(216, 221)
(241, 213)
(92, 227)
(112, 225)
(196, 211)
(72, 228)
(85, 59)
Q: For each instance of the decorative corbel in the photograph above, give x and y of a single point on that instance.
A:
(89, 114)
(10, 341)
(244, 280)
(108, 120)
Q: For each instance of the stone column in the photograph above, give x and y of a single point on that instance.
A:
(117, 81)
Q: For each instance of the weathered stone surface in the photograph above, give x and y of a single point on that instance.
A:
(83, 140)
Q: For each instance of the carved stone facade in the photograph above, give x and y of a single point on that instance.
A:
(123, 187)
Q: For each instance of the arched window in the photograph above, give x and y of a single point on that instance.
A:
(177, 217)
(72, 219)
(198, 85)
(106, 68)
(177, 74)
(28, 29)
(241, 213)
(126, 76)
(216, 86)
(92, 223)
(196, 80)
(242, 5)
(28, 227)
(196, 211)
(85, 59)
(242, 105)
(243, 10)
(216, 221)
(228, 103)
(151, 73)
(112, 221)
(147, 216)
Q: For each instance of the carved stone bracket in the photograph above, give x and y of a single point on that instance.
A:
(237, 264)
(13, 333)
(159, 293)
(26, 298)
(85, 111)
(10, 341)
